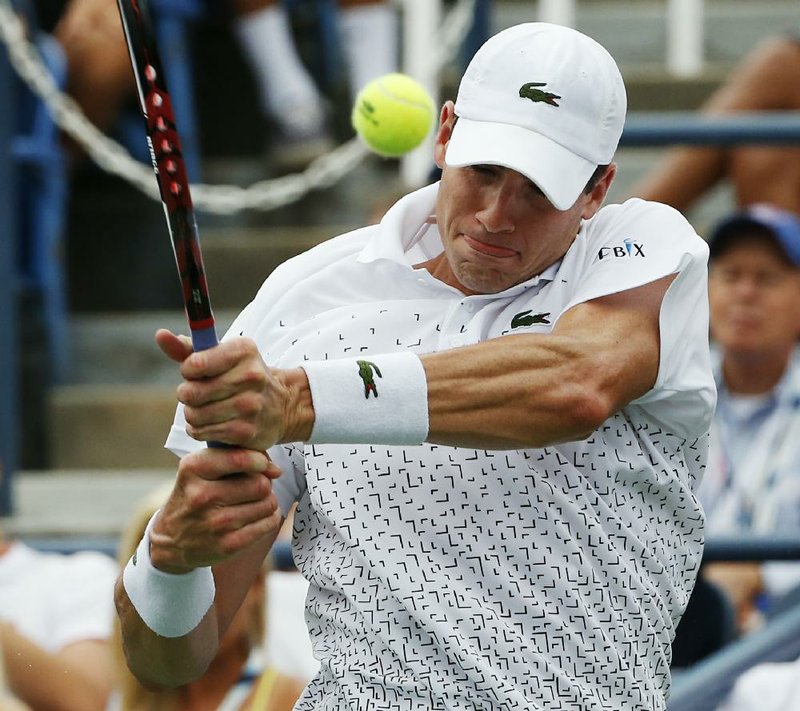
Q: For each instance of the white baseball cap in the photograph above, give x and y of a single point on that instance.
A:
(544, 100)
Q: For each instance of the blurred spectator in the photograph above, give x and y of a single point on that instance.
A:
(238, 677)
(288, 93)
(767, 79)
(56, 615)
(752, 482)
(100, 77)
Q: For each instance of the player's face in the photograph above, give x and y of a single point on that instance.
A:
(497, 226)
(754, 298)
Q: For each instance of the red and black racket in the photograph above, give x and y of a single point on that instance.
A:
(169, 167)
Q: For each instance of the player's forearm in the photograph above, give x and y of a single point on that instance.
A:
(161, 661)
(512, 392)
(169, 661)
(506, 393)
(518, 391)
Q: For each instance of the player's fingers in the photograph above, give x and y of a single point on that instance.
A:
(239, 539)
(200, 411)
(234, 432)
(215, 463)
(273, 471)
(249, 427)
(188, 537)
(233, 518)
(229, 491)
(177, 348)
(222, 359)
(199, 393)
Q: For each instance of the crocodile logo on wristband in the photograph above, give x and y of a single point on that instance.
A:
(367, 372)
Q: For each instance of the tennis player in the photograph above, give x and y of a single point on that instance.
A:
(491, 410)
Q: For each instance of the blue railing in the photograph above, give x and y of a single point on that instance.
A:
(703, 686)
(643, 129)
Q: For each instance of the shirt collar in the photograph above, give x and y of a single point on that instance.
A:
(408, 235)
(402, 228)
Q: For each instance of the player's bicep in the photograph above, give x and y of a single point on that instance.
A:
(622, 331)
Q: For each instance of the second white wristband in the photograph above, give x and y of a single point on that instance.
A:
(170, 605)
(380, 399)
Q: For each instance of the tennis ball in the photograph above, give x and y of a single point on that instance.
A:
(393, 114)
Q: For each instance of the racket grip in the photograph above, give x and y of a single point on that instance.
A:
(204, 338)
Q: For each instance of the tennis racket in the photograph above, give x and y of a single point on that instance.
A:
(173, 184)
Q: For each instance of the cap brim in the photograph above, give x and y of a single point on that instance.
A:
(560, 174)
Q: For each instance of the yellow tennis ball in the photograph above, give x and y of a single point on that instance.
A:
(393, 114)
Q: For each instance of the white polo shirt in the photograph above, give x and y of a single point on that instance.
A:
(455, 578)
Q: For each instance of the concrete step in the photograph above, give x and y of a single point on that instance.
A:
(117, 406)
(78, 503)
(118, 348)
(110, 426)
(635, 32)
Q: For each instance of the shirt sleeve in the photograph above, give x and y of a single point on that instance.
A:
(641, 242)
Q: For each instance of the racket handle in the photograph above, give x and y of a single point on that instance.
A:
(204, 338)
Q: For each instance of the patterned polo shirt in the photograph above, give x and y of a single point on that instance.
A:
(457, 578)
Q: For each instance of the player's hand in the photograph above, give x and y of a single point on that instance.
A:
(177, 348)
(212, 514)
(231, 396)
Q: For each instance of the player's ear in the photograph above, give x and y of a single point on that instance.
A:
(598, 192)
(447, 119)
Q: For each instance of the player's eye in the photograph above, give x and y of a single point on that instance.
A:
(536, 190)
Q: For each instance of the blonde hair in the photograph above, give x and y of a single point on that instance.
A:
(134, 696)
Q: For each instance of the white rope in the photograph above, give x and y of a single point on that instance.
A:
(219, 199)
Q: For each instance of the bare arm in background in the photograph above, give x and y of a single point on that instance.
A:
(767, 79)
(76, 678)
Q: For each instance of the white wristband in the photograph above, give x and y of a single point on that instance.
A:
(170, 605)
(380, 399)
